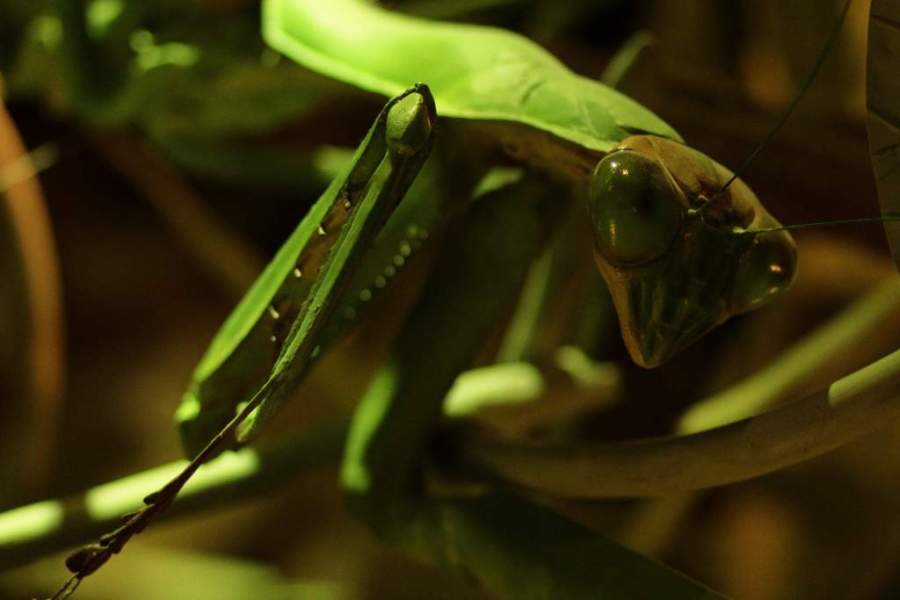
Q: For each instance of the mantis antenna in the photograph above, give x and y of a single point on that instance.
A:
(807, 83)
(890, 217)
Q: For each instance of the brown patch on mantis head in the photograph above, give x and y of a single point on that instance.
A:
(680, 257)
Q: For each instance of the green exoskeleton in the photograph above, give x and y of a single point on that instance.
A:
(650, 233)
(679, 250)
(283, 321)
(676, 247)
(267, 344)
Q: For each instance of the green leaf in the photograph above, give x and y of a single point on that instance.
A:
(476, 73)
(883, 100)
(521, 550)
(169, 69)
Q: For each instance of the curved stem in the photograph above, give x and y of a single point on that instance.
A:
(823, 421)
(215, 247)
(850, 334)
(27, 210)
(624, 60)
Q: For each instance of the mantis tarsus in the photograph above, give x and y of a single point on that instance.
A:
(678, 252)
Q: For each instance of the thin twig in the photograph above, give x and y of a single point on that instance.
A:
(217, 248)
(625, 59)
(27, 210)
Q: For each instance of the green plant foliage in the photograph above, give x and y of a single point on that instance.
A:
(521, 550)
(475, 72)
(197, 85)
(200, 83)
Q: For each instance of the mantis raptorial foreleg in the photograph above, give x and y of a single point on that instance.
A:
(287, 308)
(295, 307)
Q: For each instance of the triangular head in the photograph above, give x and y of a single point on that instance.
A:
(680, 254)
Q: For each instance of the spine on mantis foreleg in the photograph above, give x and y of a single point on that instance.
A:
(274, 331)
(471, 290)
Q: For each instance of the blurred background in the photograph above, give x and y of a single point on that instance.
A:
(155, 208)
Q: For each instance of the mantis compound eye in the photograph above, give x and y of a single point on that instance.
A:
(766, 270)
(634, 209)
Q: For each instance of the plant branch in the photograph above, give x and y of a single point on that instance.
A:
(848, 408)
(215, 247)
(27, 210)
(820, 422)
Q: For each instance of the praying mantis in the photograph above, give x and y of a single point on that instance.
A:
(680, 245)
(679, 254)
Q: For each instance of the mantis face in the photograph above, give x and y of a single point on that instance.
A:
(679, 258)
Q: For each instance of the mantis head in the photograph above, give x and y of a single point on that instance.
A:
(679, 254)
